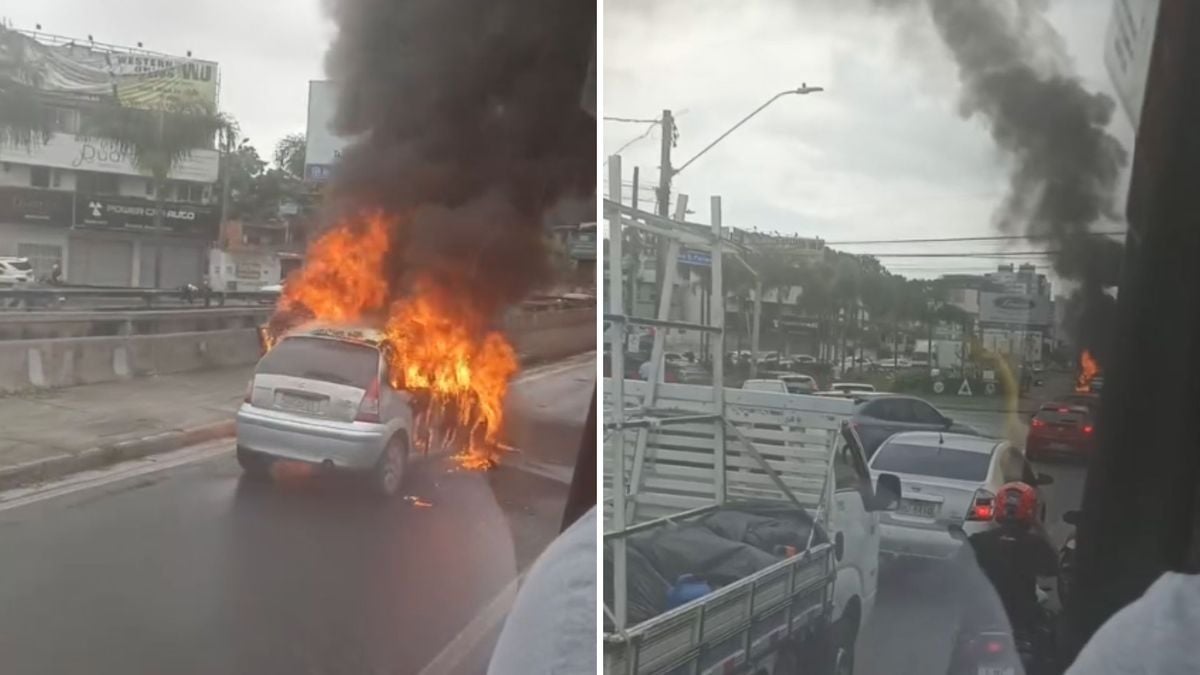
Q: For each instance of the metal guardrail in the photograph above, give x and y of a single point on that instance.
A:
(42, 297)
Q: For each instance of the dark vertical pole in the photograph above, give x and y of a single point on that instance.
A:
(1141, 495)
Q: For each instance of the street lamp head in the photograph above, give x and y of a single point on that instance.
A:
(805, 89)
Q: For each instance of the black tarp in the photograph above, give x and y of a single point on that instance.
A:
(729, 544)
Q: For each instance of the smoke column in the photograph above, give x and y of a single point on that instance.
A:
(1014, 73)
(469, 126)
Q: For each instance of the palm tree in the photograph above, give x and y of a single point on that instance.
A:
(23, 117)
(157, 141)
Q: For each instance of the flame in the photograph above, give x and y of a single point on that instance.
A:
(1088, 370)
(439, 347)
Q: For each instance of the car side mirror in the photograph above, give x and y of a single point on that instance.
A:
(887, 492)
(1071, 517)
(947, 422)
(1044, 479)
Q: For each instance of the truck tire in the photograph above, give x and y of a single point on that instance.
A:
(845, 639)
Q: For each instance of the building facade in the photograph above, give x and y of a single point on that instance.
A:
(81, 203)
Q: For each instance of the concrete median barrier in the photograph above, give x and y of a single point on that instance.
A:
(72, 361)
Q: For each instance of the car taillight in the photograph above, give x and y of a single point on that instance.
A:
(993, 646)
(1036, 423)
(982, 506)
(368, 408)
(1087, 429)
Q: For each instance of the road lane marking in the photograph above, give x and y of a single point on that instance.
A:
(450, 660)
(85, 480)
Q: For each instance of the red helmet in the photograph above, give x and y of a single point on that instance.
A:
(1016, 503)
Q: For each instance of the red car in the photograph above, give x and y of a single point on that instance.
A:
(1064, 428)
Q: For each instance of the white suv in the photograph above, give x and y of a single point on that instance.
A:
(15, 272)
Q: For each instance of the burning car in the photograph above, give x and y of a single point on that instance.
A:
(322, 397)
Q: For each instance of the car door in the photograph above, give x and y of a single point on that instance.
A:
(924, 416)
(855, 528)
(878, 420)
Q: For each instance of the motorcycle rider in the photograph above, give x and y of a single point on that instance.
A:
(1011, 557)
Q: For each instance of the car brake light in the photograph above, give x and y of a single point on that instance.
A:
(982, 506)
(1087, 429)
(368, 408)
(1036, 423)
(993, 647)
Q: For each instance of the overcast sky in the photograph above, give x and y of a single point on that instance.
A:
(882, 153)
(268, 50)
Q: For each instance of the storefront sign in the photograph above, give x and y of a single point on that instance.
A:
(67, 151)
(29, 205)
(124, 213)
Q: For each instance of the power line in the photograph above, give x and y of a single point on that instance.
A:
(932, 240)
(632, 120)
(973, 254)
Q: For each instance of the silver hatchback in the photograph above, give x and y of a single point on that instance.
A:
(947, 479)
(322, 398)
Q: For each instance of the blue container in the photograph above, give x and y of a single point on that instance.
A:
(687, 588)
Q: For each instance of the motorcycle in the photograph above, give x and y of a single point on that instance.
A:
(993, 648)
(1066, 558)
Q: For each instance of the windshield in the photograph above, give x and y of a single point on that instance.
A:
(932, 461)
(19, 265)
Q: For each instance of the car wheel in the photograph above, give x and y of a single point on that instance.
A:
(845, 634)
(388, 476)
(253, 466)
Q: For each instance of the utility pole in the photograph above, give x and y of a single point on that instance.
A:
(665, 173)
(665, 170)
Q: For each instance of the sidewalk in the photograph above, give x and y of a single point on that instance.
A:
(50, 433)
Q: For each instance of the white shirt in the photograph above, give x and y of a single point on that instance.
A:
(1157, 633)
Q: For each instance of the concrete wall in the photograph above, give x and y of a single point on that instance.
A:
(66, 362)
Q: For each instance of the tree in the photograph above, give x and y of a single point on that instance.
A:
(24, 117)
(289, 155)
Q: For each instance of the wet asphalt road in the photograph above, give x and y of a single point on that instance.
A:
(194, 570)
(915, 616)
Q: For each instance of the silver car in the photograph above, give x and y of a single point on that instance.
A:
(947, 478)
(321, 397)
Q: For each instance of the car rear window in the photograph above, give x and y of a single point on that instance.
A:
(322, 359)
(936, 461)
(1062, 414)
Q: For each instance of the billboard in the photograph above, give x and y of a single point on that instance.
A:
(67, 151)
(323, 148)
(1015, 309)
(1127, 48)
(136, 79)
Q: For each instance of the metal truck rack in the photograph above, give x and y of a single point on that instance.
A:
(705, 449)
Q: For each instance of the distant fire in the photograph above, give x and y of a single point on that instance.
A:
(1088, 370)
(439, 349)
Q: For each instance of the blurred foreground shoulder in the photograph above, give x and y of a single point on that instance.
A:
(552, 626)
(1154, 634)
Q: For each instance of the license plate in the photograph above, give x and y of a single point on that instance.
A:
(912, 507)
(1057, 447)
(996, 670)
(299, 404)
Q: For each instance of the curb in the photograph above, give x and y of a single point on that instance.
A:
(50, 468)
(57, 466)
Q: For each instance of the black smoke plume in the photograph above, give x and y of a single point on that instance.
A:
(1015, 74)
(469, 126)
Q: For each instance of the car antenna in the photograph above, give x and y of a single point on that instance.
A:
(941, 438)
